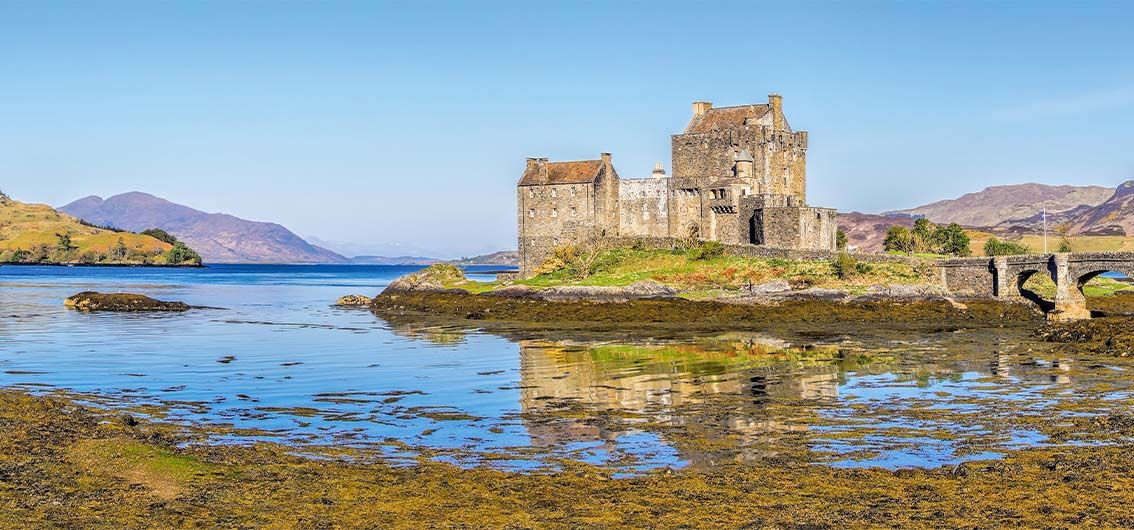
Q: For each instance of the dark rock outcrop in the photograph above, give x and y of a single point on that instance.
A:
(120, 302)
(353, 300)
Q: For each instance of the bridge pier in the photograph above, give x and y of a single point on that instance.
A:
(1070, 304)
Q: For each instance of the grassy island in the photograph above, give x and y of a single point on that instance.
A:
(700, 272)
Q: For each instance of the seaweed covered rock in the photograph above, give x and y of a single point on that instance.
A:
(1111, 336)
(353, 300)
(437, 278)
(122, 302)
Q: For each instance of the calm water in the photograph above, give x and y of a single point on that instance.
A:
(278, 359)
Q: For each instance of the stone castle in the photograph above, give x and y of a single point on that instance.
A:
(739, 177)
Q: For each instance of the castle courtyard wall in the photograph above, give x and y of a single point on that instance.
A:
(644, 207)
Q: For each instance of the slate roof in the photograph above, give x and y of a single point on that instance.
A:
(718, 118)
(574, 172)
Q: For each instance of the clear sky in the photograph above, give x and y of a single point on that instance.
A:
(371, 123)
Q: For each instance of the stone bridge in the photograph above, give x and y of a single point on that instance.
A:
(1003, 277)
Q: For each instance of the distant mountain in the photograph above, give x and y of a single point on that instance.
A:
(374, 248)
(866, 231)
(37, 233)
(1115, 216)
(996, 205)
(504, 257)
(219, 238)
(398, 260)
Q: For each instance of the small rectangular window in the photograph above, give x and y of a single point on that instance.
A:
(555, 212)
(531, 212)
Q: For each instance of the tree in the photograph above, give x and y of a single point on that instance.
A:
(899, 239)
(181, 254)
(120, 251)
(952, 240)
(840, 241)
(64, 243)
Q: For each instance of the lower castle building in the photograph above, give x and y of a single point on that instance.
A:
(739, 177)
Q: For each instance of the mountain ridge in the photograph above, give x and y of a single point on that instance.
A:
(218, 237)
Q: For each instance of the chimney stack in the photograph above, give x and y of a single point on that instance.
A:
(658, 171)
(605, 157)
(532, 163)
(776, 101)
(701, 107)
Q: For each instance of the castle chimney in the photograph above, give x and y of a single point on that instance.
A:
(776, 101)
(605, 157)
(701, 107)
(658, 171)
(532, 163)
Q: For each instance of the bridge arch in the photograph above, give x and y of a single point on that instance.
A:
(1025, 274)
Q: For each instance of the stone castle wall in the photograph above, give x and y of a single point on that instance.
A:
(643, 207)
(780, 158)
(553, 215)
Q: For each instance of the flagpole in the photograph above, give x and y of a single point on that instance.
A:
(1045, 228)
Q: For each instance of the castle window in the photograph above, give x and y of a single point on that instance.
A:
(555, 212)
(531, 212)
(818, 216)
(555, 241)
(574, 211)
(572, 191)
(554, 194)
(531, 193)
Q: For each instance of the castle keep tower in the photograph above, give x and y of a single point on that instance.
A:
(739, 176)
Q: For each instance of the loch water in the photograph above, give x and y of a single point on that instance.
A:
(272, 357)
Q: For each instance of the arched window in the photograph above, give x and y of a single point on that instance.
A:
(555, 212)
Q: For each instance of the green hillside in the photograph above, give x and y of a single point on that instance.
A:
(36, 233)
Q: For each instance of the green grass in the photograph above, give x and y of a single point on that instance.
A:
(705, 278)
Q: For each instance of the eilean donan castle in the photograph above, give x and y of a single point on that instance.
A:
(739, 177)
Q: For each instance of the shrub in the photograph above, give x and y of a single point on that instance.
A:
(707, 250)
(1064, 244)
(844, 266)
(996, 247)
(840, 240)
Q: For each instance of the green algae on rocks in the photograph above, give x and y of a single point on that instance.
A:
(65, 465)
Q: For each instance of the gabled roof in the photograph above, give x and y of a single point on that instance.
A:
(718, 118)
(574, 172)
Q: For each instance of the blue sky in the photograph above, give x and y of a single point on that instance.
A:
(372, 123)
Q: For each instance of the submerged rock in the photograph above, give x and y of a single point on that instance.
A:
(124, 302)
(353, 300)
